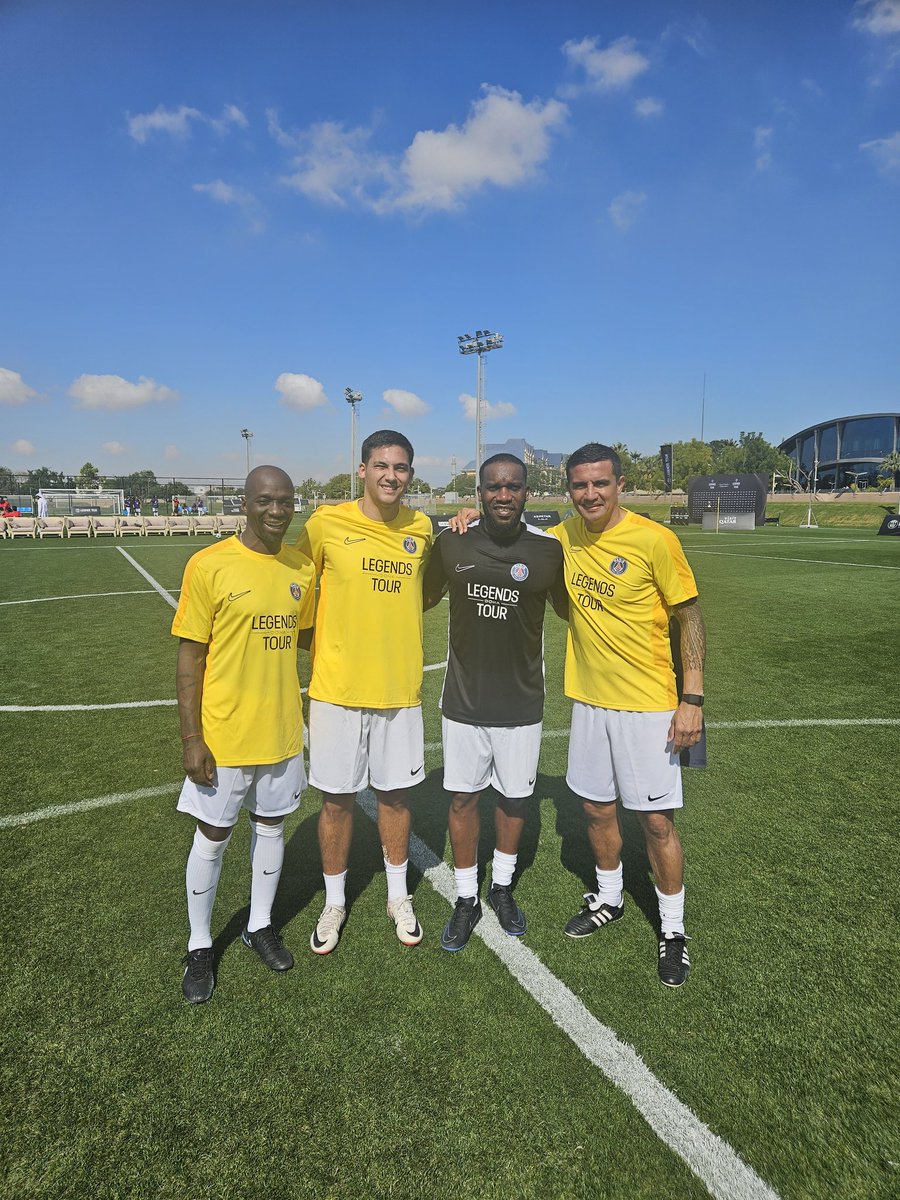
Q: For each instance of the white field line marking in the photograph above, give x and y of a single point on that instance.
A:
(11, 708)
(80, 596)
(62, 810)
(825, 562)
(167, 596)
(713, 1161)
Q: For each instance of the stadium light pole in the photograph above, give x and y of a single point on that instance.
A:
(248, 438)
(480, 343)
(352, 398)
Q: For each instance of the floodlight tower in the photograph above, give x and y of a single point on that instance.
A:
(352, 398)
(479, 343)
(248, 438)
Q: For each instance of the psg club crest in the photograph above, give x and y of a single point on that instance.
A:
(618, 566)
(409, 545)
(519, 572)
(295, 590)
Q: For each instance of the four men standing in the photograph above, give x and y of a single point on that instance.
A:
(624, 575)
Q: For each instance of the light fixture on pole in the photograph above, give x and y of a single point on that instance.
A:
(479, 343)
(352, 398)
(248, 438)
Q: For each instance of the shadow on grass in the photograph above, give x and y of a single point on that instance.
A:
(576, 855)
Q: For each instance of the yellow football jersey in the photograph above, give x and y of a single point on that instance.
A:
(622, 584)
(248, 607)
(367, 646)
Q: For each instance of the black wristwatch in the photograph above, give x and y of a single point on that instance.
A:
(692, 698)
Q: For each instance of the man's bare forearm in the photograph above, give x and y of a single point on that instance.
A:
(189, 685)
(693, 645)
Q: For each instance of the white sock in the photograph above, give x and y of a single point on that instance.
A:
(204, 866)
(335, 889)
(466, 882)
(396, 880)
(266, 858)
(671, 911)
(609, 886)
(502, 868)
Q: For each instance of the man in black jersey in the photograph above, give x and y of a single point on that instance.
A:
(499, 577)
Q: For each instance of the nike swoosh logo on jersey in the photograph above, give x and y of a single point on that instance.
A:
(418, 769)
(237, 595)
(468, 567)
(205, 890)
(348, 541)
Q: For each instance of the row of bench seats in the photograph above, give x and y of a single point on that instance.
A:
(34, 527)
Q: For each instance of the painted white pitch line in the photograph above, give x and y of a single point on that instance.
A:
(712, 1160)
(80, 806)
(167, 596)
(784, 558)
(11, 708)
(79, 596)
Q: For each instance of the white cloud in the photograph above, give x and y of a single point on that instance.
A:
(648, 106)
(886, 151)
(407, 404)
(502, 143)
(489, 412)
(114, 447)
(606, 70)
(762, 144)
(171, 451)
(23, 447)
(625, 208)
(114, 392)
(301, 392)
(812, 87)
(177, 121)
(226, 193)
(14, 389)
(878, 17)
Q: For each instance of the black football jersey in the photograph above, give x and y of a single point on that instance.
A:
(498, 593)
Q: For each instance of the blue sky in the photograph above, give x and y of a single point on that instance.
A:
(221, 215)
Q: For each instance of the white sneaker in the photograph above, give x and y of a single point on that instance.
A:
(328, 929)
(409, 931)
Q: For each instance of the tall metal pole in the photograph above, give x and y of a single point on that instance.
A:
(247, 436)
(479, 343)
(703, 407)
(352, 398)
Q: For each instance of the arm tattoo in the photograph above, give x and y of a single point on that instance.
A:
(693, 636)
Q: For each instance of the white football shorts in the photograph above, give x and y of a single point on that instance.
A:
(478, 755)
(352, 747)
(625, 755)
(269, 790)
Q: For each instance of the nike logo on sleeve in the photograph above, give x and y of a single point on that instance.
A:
(237, 595)
(348, 541)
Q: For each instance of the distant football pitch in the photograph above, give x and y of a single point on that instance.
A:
(545, 1068)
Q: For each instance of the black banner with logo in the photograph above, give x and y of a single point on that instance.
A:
(665, 453)
(891, 524)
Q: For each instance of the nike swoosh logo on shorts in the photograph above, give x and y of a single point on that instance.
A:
(468, 567)
(531, 781)
(297, 795)
(418, 769)
(660, 797)
(237, 595)
(348, 541)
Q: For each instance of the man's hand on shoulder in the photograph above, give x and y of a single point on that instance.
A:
(461, 521)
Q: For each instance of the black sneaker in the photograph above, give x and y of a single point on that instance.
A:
(593, 916)
(270, 948)
(510, 916)
(199, 981)
(674, 963)
(458, 929)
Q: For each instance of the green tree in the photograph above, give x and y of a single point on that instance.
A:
(338, 487)
(690, 458)
(44, 477)
(88, 476)
(463, 485)
(889, 470)
(307, 488)
(8, 481)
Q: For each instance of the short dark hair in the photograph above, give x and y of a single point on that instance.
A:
(385, 437)
(593, 452)
(502, 458)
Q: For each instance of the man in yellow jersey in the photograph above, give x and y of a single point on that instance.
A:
(242, 605)
(365, 714)
(625, 576)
